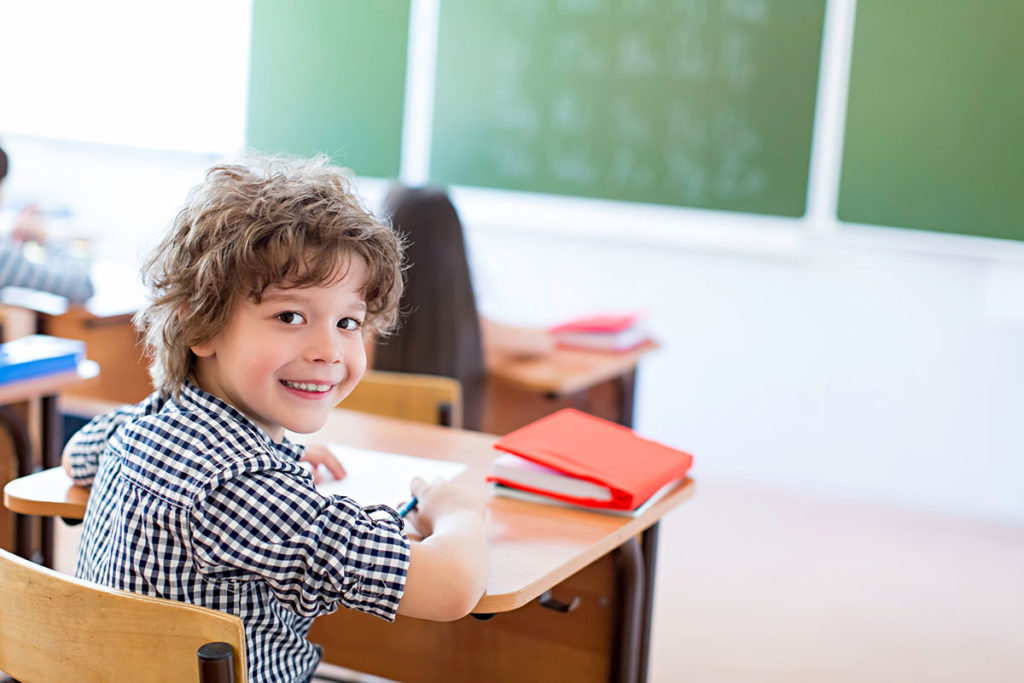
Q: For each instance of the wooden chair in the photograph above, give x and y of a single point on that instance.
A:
(58, 628)
(408, 396)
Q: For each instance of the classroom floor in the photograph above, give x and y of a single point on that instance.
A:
(756, 585)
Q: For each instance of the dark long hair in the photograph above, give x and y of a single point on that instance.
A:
(439, 333)
(3, 164)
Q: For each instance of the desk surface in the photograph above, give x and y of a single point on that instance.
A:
(564, 371)
(532, 547)
(46, 385)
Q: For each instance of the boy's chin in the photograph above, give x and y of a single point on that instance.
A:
(306, 426)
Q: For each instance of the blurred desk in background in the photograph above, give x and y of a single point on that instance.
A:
(104, 323)
(111, 341)
(32, 439)
(522, 389)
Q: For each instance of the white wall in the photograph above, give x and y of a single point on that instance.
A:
(874, 363)
(864, 372)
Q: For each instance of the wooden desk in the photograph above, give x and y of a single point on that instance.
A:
(522, 389)
(536, 551)
(111, 340)
(17, 402)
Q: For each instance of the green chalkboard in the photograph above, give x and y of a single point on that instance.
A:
(328, 76)
(700, 103)
(935, 117)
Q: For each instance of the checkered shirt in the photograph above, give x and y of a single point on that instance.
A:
(191, 501)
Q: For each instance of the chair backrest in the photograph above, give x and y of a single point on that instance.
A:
(408, 396)
(58, 628)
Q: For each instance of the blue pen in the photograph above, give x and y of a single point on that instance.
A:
(408, 507)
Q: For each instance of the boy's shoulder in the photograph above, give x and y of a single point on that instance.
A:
(189, 445)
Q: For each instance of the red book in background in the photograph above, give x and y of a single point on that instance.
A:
(603, 332)
(586, 460)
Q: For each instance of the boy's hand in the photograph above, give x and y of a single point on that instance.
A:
(440, 499)
(448, 568)
(320, 456)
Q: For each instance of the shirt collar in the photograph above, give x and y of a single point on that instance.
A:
(192, 397)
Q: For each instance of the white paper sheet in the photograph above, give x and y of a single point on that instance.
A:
(378, 477)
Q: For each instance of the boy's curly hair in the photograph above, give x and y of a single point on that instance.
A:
(250, 225)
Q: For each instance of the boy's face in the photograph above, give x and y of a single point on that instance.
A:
(287, 361)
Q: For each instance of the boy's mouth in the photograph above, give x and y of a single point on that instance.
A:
(315, 387)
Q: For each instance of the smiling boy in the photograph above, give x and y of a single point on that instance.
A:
(260, 294)
(287, 360)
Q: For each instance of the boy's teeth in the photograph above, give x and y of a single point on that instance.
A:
(305, 386)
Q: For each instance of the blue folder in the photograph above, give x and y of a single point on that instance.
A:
(37, 355)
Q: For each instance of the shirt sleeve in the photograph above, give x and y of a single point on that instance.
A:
(68, 278)
(314, 551)
(86, 446)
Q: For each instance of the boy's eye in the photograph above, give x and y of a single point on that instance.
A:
(291, 318)
(349, 324)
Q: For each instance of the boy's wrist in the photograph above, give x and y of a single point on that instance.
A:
(459, 519)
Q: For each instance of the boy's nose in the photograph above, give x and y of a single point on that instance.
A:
(325, 347)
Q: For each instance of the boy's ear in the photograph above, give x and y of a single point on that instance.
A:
(204, 350)
(201, 350)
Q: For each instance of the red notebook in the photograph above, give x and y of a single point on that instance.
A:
(619, 469)
(601, 323)
(606, 332)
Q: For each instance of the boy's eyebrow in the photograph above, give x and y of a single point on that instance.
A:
(284, 296)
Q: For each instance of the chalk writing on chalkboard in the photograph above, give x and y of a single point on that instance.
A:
(705, 103)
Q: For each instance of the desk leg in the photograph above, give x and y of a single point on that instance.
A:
(650, 544)
(22, 443)
(50, 444)
(627, 388)
(50, 440)
(629, 565)
(635, 562)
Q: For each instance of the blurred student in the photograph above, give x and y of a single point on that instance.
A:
(67, 277)
(442, 332)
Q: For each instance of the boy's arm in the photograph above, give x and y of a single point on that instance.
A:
(448, 569)
(81, 455)
(315, 551)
